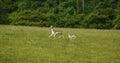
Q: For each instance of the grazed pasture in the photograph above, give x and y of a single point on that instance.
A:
(23, 44)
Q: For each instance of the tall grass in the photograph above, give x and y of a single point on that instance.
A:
(22, 44)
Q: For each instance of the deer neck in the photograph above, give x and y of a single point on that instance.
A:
(52, 30)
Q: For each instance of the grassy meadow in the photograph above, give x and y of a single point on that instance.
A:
(24, 44)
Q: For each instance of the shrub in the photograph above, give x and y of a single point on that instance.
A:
(29, 17)
(97, 21)
(116, 23)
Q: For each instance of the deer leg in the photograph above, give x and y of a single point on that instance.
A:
(54, 35)
(50, 35)
(61, 35)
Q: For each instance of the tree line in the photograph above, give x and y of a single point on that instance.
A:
(99, 14)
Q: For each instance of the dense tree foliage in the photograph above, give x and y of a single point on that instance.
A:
(100, 14)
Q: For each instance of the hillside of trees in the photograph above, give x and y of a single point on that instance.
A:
(99, 14)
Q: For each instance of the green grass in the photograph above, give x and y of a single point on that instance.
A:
(22, 44)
